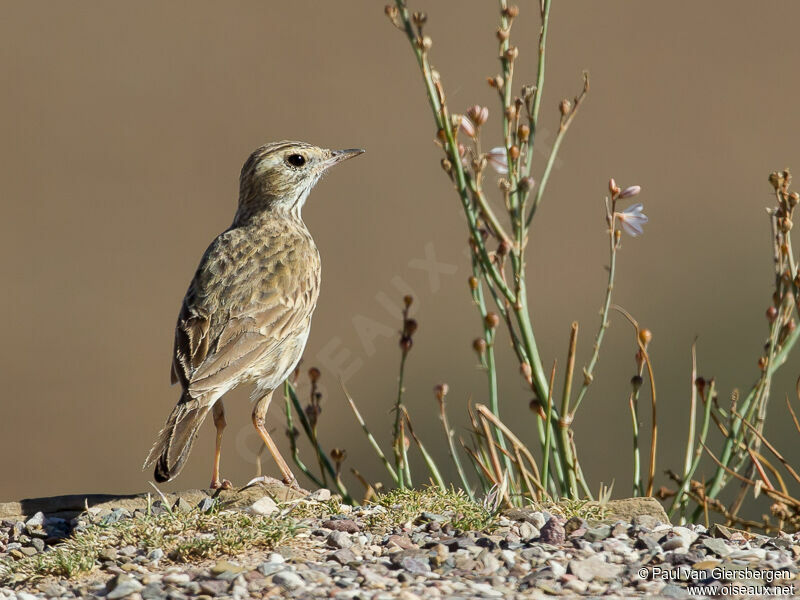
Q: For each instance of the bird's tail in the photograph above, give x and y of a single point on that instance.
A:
(175, 440)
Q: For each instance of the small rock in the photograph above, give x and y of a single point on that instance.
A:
(108, 554)
(263, 506)
(270, 568)
(344, 556)
(181, 506)
(717, 546)
(346, 525)
(177, 578)
(553, 532)
(597, 534)
(224, 566)
(527, 531)
(122, 586)
(594, 567)
(288, 579)
(36, 521)
(339, 539)
(320, 495)
(206, 504)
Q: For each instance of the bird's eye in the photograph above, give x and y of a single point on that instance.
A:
(296, 160)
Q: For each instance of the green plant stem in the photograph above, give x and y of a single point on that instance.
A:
(681, 497)
(320, 452)
(588, 372)
(448, 433)
(398, 437)
(293, 442)
(429, 462)
(637, 468)
(373, 442)
(491, 367)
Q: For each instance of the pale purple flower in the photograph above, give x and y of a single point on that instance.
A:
(498, 159)
(467, 126)
(633, 219)
(630, 192)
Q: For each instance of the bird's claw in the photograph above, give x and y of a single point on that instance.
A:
(216, 484)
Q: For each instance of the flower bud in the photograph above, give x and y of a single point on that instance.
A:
(612, 187)
(441, 391)
(630, 192)
(427, 42)
(525, 369)
(410, 327)
(492, 320)
(478, 114)
(564, 107)
(772, 314)
(526, 184)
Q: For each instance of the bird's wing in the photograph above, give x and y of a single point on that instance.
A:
(244, 301)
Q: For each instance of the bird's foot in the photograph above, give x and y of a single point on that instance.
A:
(216, 484)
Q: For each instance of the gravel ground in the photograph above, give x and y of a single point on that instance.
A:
(528, 553)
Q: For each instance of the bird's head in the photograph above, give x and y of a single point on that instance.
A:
(278, 177)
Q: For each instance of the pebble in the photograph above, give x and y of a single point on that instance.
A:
(528, 553)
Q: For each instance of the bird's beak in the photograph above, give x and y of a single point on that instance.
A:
(338, 156)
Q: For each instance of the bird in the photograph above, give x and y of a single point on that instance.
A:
(247, 313)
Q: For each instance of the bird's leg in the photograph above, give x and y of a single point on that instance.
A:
(258, 459)
(219, 423)
(259, 416)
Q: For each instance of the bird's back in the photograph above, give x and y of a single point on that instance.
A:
(253, 292)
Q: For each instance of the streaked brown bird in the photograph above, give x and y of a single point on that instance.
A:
(247, 314)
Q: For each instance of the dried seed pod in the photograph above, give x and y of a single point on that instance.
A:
(314, 374)
(645, 336)
(513, 152)
(419, 18)
(523, 133)
(440, 391)
(502, 34)
(473, 283)
(408, 299)
(564, 107)
(512, 53)
(511, 12)
(479, 345)
(492, 320)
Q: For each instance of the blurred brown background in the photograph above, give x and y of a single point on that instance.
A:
(123, 128)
